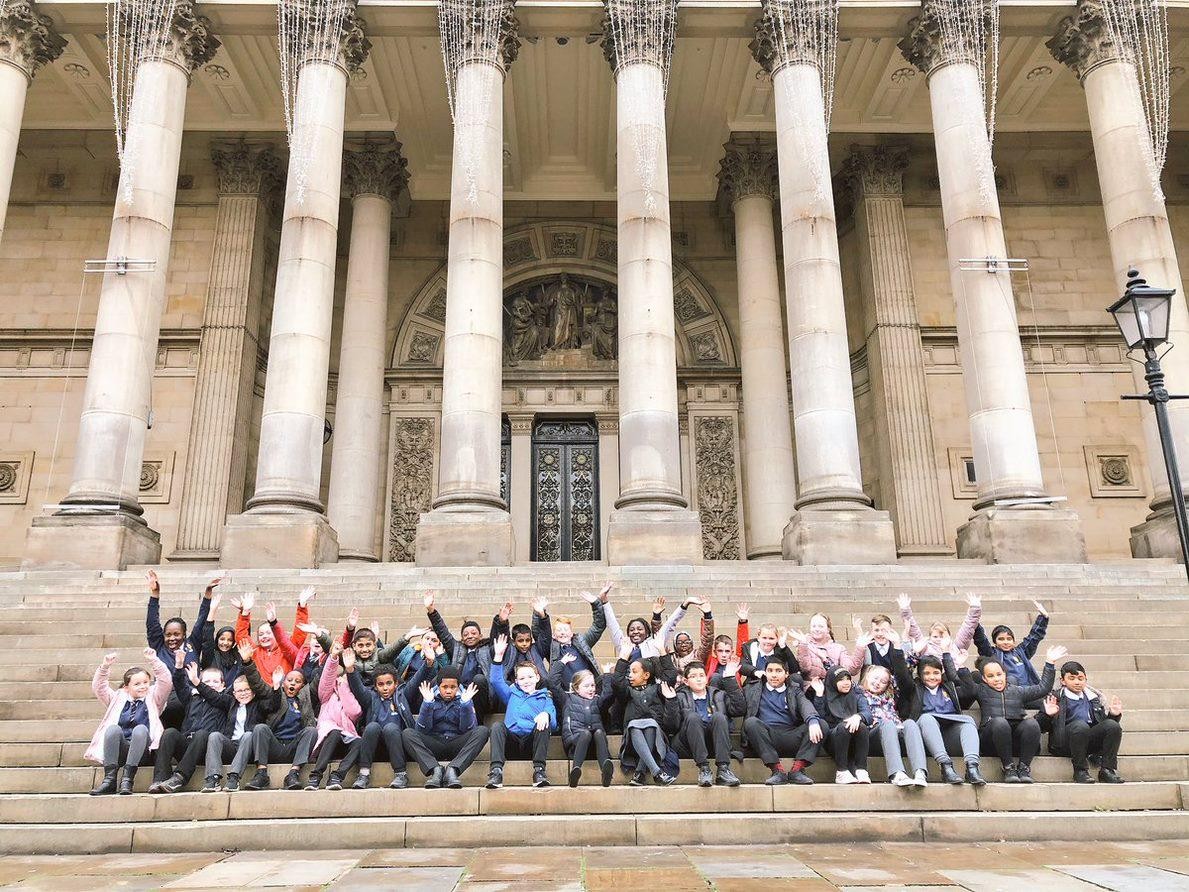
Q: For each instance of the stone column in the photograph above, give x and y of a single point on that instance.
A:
(99, 524)
(1013, 521)
(27, 42)
(748, 179)
(1138, 232)
(651, 523)
(217, 456)
(895, 359)
(376, 175)
(470, 524)
(284, 524)
(835, 522)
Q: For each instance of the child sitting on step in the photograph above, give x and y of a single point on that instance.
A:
(241, 703)
(781, 722)
(726, 651)
(939, 632)
(131, 727)
(447, 728)
(287, 731)
(172, 638)
(369, 653)
(529, 718)
(844, 709)
(704, 729)
(770, 643)
(1016, 659)
(883, 643)
(579, 704)
(274, 648)
(187, 746)
(529, 647)
(818, 652)
(563, 641)
(1084, 726)
(895, 734)
(647, 639)
(650, 716)
(937, 710)
(388, 709)
(469, 653)
(219, 651)
(337, 736)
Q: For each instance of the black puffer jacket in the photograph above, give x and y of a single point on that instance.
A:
(1010, 702)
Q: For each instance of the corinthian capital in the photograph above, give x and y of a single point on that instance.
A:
(639, 31)
(27, 38)
(186, 40)
(245, 169)
(792, 31)
(479, 31)
(749, 168)
(876, 170)
(304, 29)
(936, 38)
(1084, 41)
(376, 168)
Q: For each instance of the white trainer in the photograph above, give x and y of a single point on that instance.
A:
(861, 776)
(921, 778)
(845, 777)
(900, 779)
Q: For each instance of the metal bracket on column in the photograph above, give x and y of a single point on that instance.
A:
(993, 265)
(121, 266)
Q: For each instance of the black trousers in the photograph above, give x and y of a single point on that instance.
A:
(694, 740)
(533, 746)
(1102, 739)
(269, 749)
(428, 749)
(334, 747)
(771, 743)
(849, 750)
(1007, 738)
(188, 751)
(386, 736)
(580, 746)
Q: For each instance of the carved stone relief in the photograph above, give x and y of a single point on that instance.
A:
(412, 484)
(15, 470)
(565, 312)
(717, 487)
(1113, 472)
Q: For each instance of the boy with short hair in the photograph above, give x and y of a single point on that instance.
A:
(883, 641)
(782, 722)
(242, 707)
(705, 714)
(1082, 726)
(387, 712)
(469, 653)
(529, 718)
(187, 745)
(366, 644)
(1016, 659)
(288, 731)
(529, 648)
(446, 728)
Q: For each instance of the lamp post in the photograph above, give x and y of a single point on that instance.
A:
(1142, 314)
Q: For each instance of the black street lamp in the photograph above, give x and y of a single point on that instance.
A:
(1142, 314)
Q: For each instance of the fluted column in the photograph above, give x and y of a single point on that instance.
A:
(834, 522)
(651, 522)
(105, 484)
(748, 178)
(284, 524)
(1003, 438)
(375, 174)
(1138, 232)
(27, 42)
(470, 523)
(895, 359)
(217, 456)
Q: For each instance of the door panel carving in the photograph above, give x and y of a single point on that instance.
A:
(565, 520)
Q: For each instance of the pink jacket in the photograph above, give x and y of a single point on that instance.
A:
(340, 709)
(813, 658)
(961, 641)
(114, 700)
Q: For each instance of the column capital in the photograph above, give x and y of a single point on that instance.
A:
(878, 170)
(1084, 40)
(28, 39)
(789, 31)
(187, 40)
(466, 21)
(748, 168)
(652, 28)
(347, 47)
(932, 41)
(244, 168)
(376, 169)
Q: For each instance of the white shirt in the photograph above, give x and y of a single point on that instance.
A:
(241, 716)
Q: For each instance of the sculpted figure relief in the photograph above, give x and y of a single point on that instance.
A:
(563, 314)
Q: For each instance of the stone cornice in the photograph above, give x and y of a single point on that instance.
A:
(876, 170)
(245, 169)
(1083, 40)
(655, 44)
(927, 46)
(375, 168)
(749, 169)
(780, 39)
(28, 39)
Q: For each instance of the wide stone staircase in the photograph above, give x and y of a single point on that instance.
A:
(1127, 622)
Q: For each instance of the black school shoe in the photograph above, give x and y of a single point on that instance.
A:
(1082, 776)
(1024, 772)
(108, 785)
(495, 778)
(639, 779)
(1109, 776)
(664, 778)
(539, 778)
(400, 781)
(313, 783)
(575, 775)
(210, 784)
(451, 779)
(949, 776)
(607, 770)
(974, 777)
(726, 777)
(800, 778)
(232, 783)
(776, 779)
(293, 779)
(175, 783)
(434, 781)
(1011, 774)
(335, 782)
(260, 780)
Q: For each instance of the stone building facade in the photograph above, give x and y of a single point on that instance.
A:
(550, 394)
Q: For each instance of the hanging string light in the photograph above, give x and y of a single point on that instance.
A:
(136, 30)
(642, 31)
(969, 29)
(1139, 28)
(307, 31)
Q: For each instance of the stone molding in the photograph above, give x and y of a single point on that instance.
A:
(503, 46)
(245, 169)
(1083, 41)
(749, 169)
(190, 41)
(372, 168)
(1089, 349)
(647, 47)
(876, 170)
(926, 47)
(61, 352)
(770, 32)
(28, 39)
(16, 470)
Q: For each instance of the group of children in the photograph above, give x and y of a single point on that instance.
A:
(219, 698)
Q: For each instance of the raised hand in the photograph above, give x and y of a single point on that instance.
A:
(149, 654)
(278, 676)
(742, 611)
(414, 632)
(499, 646)
(179, 659)
(216, 600)
(567, 659)
(305, 596)
(796, 634)
(819, 686)
(659, 604)
(375, 627)
(247, 602)
(154, 583)
(505, 612)
(540, 606)
(903, 601)
(353, 618)
(311, 629)
(625, 650)
(588, 597)
(704, 606)
(336, 649)
(428, 652)
(429, 601)
(270, 612)
(605, 592)
(919, 645)
(608, 667)
(192, 673)
(667, 690)
(864, 639)
(246, 650)
(110, 658)
(852, 723)
(857, 624)
(1116, 706)
(731, 669)
(961, 656)
(974, 600)
(1040, 608)
(1055, 654)
(236, 603)
(426, 690)
(210, 586)
(469, 692)
(348, 658)
(946, 643)
(542, 721)
(1051, 706)
(782, 636)
(893, 637)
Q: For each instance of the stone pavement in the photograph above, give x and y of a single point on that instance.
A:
(985, 867)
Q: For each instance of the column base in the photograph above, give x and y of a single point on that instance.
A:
(357, 557)
(1157, 536)
(194, 556)
(465, 538)
(90, 542)
(1023, 536)
(296, 540)
(840, 536)
(651, 536)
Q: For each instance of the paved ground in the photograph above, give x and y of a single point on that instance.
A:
(986, 867)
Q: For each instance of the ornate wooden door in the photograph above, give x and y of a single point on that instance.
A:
(565, 491)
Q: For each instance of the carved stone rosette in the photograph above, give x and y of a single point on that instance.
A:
(931, 44)
(649, 28)
(465, 19)
(244, 169)
(375, 168)
(27, 38)
(876, 170)
(749, 169)
(1084, 40)
(189, 41)
(412, 484)
(718, 493)
(782, 38)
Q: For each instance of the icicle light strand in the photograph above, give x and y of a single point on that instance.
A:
(970, 29)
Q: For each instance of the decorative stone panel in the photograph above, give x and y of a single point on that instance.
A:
(1114, 472)
(715, 448)
(156, 478)
(411, 488)
(16, 469)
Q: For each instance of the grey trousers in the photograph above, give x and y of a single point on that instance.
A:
(888, 739)
(958, 731)
(219, 745)
(119, 752)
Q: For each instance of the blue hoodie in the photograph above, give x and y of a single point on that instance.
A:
(521, 711)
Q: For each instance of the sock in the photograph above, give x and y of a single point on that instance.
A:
(365, 772)
(777, 767)
(800, 765)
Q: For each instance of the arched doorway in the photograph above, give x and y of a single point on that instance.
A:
(565, 492)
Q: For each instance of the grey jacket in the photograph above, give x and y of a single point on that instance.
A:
(1008, 703)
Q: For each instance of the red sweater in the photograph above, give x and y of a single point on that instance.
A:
(282, 654)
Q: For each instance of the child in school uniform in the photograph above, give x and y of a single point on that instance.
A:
(338, 737)
(131, 726)
(388, 709)
(368, 651)
(241, 704)
(725, 651)
(770, 643)
(173, 637)
(529, 718)
(1084, 726)
(187, 746)
(939, 632)
(704, 722)
(563, 642)
(883, 643)
(937, 710)
(1016, 659)
(650, 715)
(579, 704)
(781, 722)
(447, 728)
(219, 651)
(847, 715)
(818, 652)
(469, 653)
(647, 639)
(287, 731)
(895, 734)
(529, 648)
